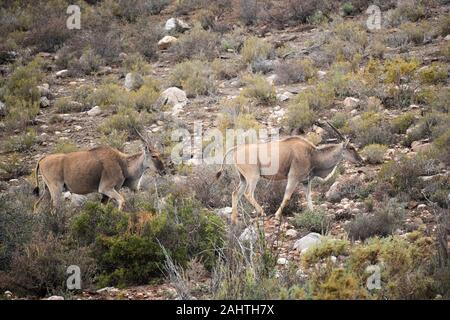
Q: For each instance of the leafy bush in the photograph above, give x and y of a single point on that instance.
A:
(21, 142)
(371, 128)
(433, 74)
(12, 167)
(398, 70)
(108, 96)
(295, 71)
(196, 44)
(128, 247)
(348, 8)
(115, 139)
(314, 221)
(402, 122)
(88, 63)
(64, 146)
(374, 153)
(385, 219)
(258, 88)
(126, 119)
(223, 69)
(429, 126)
(299, 115)
(255, 49)
(193, 76)
(131, 10)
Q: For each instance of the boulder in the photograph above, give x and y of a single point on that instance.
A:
(418, 146)
(249, 235)
(44, 90)
(2, 109)
(166, 42)
(95, 111)
(351, 103)
(176, 24)
(311, 239)
(175, 97)
(44, 102)
(345, 186)
(62, 73)
(133, 81)
(291, 233)
(284, 96)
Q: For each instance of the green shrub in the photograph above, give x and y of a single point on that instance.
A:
(224, 69)
(385, 219)
(65, 105)
(402, 122)
(108, 95)
(433, 74)
(314, 221)
(415, 33)
(371, 128)
(196, 44)
(115, 139)
(295, 71)
(299, 115)
(318, 97)
(374, 153)
(195, 77)
(348, 9)
(398, 70)
(255, 49)
(12, 167)
(126, 119)
(64, 146)
(259, 89)
(429, 126)
(409, 10)
(21, 95)
(21, 142)
(88, 63)
(128, 246)
(339, 120)
(144, 99)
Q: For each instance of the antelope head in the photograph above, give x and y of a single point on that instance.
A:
(349, 151)
(151, 155)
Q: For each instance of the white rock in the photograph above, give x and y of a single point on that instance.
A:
(55, 298)
(174, 23)
(271, 79)
(44, 90)
(226, 211)
(62, 73)
(249, 235)
(107, 289)
(166, 42)
(133, 81)
(284, 96)
(292, 233)
(418, 146)
(282, 261)
(176, 98)
(351, 103)
(421, 206)
(303, 244)
(44, 102)
(321, 74)
(2, 109)
(95, 111)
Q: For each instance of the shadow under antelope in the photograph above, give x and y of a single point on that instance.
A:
(298, 161)
(101, 169)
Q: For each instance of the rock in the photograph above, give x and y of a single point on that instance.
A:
(107, 289)
(55, 298)
(303, 244)
(62, 73)
(224, 212)
(284, 96)
(351, 103)
(133, 81)
(272, 79)
(282, 261)
(421, 206)
(104, 70)
(95, 111)
(249, 235)
(44, 90)
(2, 109)
(176, 24)
(321, 74)
(44, 102)
(291, 233)
(176, 98)
(344, 186)
(418, 146)
(166, 42)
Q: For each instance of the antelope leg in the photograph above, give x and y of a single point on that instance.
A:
(290, 188)
(250, 195)
(235, 197)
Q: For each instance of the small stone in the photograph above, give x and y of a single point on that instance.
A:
(55, 298)
(224, 212)
(421, 206)
(292, 233)
(133, 81)
(166, 42)
(2, 109)
(351, 103)
(303, 244)
(44, 102)
(284, 96)
(249, 235)
(95, 111)
(282, 261)
(62, 73)
(321, 74)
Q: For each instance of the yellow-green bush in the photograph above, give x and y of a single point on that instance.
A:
(21, 142)
(295, 71)
(64, 146)
(312, 220)
(224, 69)
(299, 115)
(371, 128)
(374, 153)
(402, 122)
(433, 74)
(195, 77)
(398, 69)
(196, 44)
(255, 49)
(126, 119)
(259, 89)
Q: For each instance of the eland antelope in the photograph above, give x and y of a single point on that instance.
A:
(297, 160)
(101, 169)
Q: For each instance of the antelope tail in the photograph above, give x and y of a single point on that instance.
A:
(219, 173)
(36, 172)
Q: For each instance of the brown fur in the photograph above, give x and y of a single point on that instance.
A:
(101, 169)
(298, 161)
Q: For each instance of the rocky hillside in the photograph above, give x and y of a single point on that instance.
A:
(380, 76)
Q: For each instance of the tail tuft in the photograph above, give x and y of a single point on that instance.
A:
(36, 191)
(218, 174)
